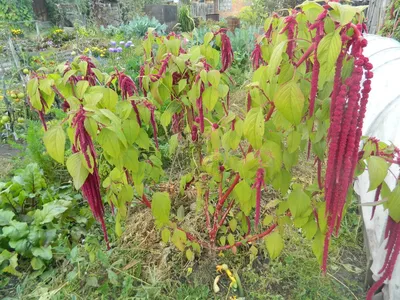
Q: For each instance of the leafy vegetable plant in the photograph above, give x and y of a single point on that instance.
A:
(307, 98)
(37, 222)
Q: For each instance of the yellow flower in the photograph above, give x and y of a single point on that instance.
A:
(101, 55)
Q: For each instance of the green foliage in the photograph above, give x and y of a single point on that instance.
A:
(37, 221)
(390, 27)
(13, 10)
(185, 19)
(137, 27)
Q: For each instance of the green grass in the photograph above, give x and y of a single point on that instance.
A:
(134, 271)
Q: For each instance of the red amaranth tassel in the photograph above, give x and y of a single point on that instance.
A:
(91, 186)
(226, 50)
(392, 234)
(258, 184)
(256, 57)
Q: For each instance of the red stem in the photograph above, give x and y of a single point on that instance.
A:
(146, 201)
(206, 212)
(251, 239)
(226, 213)
(270, 112)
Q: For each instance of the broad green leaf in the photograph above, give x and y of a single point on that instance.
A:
(110, 142)
(173, 144)
(179, 239)
(243, 194)
(15, 230)
(231, 239)
(131, 129)
(208, 37)
(275, 60)
(5, 217)
(318, 246)
(42, 252)
(214, 77)
(310, 229)
(54, 141)
(12, 264)
(222, 240)
(110, 99)
(299, 202)
(143, 140)
(181, 85)
(160, 207)
(267, 220)
(210, 97)
(254, 127)
(37, 263)
(165, 235)
(232, 224)
(289, 100)
(329, 49)
(83, 67)
(189, 254)
(81, 88)
(271, 155)
(343, 13)
(293, 141)
(50, 211)
(77, 169)
(377, 171)
(274, 244)
(180, 214)
(394, 204)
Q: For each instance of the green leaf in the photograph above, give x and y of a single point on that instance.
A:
(179, 239)
(310, 229)
(210, 97)
(275, 60)
(293, 141)
(50, 211)
(208, 37)
(394, 204)
(344, 14)
(165, 235)
(42, 252)
(232, 224)
(110, 99)
(77, 169)
(181, 85)
(299, 202)
(54, 141)
(92, 281)
(318, 246)
(173, 144)
(110, 142)
(13, 263)
(329, 49)
(377, 171)
(274, 244)
(6, 217)
(180, 214)
(243, 194)
(37, 263)
(231, 239)
(131, 129)
(222, 240)
(214, 76)
(189, 254)
(81, 88)
(267, 220)
(254, 127)
(160, 207)
(289, 100)
(271, 155)
(16, 230)
(143, 140)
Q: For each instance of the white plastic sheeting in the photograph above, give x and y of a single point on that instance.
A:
(382, 121)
